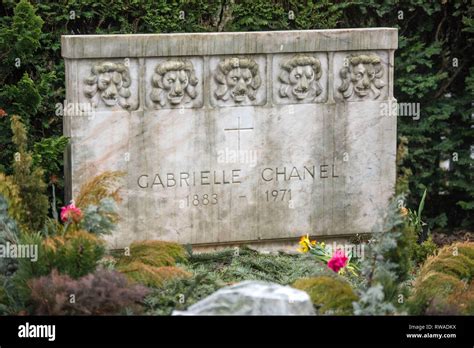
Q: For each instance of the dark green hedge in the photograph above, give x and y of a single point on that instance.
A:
(433, 68)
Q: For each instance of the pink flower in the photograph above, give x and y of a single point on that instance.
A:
(338, 261)
(71, 212)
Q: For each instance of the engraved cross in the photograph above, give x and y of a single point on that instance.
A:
(239, 129)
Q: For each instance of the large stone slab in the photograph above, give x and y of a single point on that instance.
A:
(235, 137)
(253, 298)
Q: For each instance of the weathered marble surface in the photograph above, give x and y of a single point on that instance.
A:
(209, 127)
(253, 298)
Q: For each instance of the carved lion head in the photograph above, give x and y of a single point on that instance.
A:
(172, 81)
(362, 74)
(300, 77)
(238, 78)
(110, 83)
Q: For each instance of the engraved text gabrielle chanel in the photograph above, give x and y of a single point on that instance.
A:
(234, 176)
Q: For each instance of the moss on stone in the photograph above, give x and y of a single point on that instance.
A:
(464, 299)
(466, 249)
(329, 295)
(445, 282)
(457, 266)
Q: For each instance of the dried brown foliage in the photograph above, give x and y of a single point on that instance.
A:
(104, 292)
(101, 186)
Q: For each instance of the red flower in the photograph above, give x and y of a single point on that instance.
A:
(71, 212)
(3, 113)
(338, 261)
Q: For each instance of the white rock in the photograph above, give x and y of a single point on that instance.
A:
(253, 298)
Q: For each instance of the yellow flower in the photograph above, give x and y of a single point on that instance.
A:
(303, 249)
(303, 239)
(305, 244)
(403, 211)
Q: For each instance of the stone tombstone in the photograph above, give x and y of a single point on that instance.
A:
(230, 138)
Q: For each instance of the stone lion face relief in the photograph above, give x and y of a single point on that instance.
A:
(300, 78)
(238, 78)
(174, 82)
(109, 83)
(362, 76)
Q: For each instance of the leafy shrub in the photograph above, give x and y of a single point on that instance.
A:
(11, 193)
(75, 254)
(100, 219)
(234, 265)
(48, 154)
(411, 229)
(28, 269)
(101, 293)
(150, 275)
(465, 249)
(3, 297)
(402, 255)
(23, 37)
(386, 265)
(436, 297)
(29, 180)
(69, 248)
(181, 293)
(96, 208)
(456, 266)
(65, 247)
(330, 295)
(52, 227)
(423, 250)
(20, 36)
(456, 259)
(152, 262)
(280, 269)
(379, 266)
(445, 282)
(462, 300)
(402, 184)
(214, 270)
(374, 301)
(9, 232)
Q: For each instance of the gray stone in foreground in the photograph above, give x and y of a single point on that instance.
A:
(253, 298)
